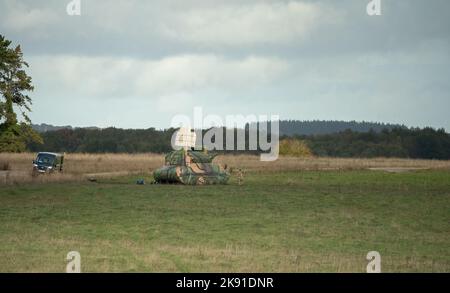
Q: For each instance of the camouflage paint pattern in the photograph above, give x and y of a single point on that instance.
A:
(191, 168)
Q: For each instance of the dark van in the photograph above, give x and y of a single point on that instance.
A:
(48, 162)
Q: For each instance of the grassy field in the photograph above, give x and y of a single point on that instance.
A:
(278, 221)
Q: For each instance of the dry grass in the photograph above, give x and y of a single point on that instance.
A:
(90, 163)
(78, 166)
(17, 167)
(284, 163)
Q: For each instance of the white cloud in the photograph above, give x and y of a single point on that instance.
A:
(20, 17)
(194, 72)
(129, 77)
(255, 23)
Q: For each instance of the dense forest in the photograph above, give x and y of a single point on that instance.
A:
(424, 143)
(295, 127)
(391, 141)
(288, 127)
(107, 140)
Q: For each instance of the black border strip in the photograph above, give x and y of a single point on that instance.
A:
(166, 281)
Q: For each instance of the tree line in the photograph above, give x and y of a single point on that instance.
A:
(426, 143)
(401, 142)
(313, 127)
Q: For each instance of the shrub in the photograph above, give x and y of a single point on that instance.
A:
(295, 148)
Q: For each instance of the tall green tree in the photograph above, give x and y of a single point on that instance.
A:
(14, 84)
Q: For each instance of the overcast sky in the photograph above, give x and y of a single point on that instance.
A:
(135, 64)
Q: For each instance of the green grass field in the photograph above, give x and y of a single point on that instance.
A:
(314, 221)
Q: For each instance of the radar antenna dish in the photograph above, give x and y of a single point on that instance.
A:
(185, 138)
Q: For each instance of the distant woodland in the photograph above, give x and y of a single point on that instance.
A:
(323, 138)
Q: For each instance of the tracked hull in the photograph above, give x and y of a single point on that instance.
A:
(190, 168)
